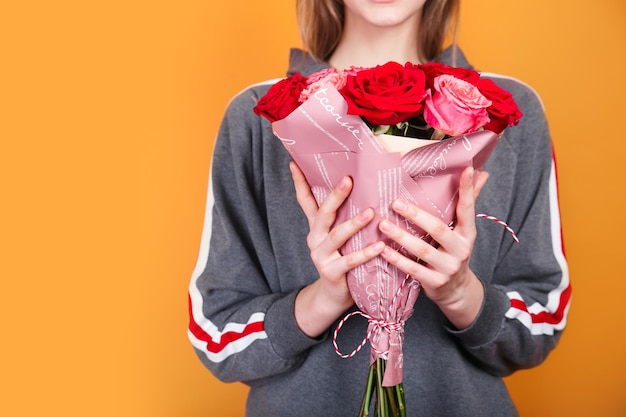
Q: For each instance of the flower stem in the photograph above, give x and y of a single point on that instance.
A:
(389, 401)
(380, 393)
(390, 392)
(400, 396)
(369, 389)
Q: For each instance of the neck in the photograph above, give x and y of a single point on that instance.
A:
(373, 46)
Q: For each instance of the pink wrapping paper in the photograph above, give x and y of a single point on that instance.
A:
(328, 144)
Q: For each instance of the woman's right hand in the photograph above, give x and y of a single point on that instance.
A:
(321, 303)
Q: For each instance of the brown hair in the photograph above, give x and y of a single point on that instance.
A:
(321, 26)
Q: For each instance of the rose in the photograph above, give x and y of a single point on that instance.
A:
(390, 95)
(353, 70)
(503, 111)
(387, 94)
(319, 79)
(281, 99)
(457, 106)
(320, 75)
(435, 69)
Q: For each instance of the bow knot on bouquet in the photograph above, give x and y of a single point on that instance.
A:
(399, 131)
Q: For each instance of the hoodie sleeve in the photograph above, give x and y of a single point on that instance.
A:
(242, 325)
(527, 286)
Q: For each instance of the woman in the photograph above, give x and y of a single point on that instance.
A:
(269, 286)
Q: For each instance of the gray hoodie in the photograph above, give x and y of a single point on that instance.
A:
(254, 259)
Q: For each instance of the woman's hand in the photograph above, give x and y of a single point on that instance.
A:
(321, 303)
(443, 271)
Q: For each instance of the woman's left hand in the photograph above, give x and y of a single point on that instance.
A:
(443, 271)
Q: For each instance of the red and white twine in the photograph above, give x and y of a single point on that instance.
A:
(500, 222)
(378, 324)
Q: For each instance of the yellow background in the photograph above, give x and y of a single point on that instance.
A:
(108, 110)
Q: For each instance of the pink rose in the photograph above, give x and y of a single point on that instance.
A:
(353, 70)
(457, 107)
(320, 75)
(321, 78)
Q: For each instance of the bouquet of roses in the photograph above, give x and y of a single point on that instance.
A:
(384, 126)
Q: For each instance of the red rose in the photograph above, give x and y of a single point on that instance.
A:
(435, 69)
(281, 99)
(503, 111)
(387, 94)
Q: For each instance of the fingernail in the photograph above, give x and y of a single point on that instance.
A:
(365, 214)
(345, 183)
(388, 251)
(400, 205)
(378, 246)
(386, 226)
